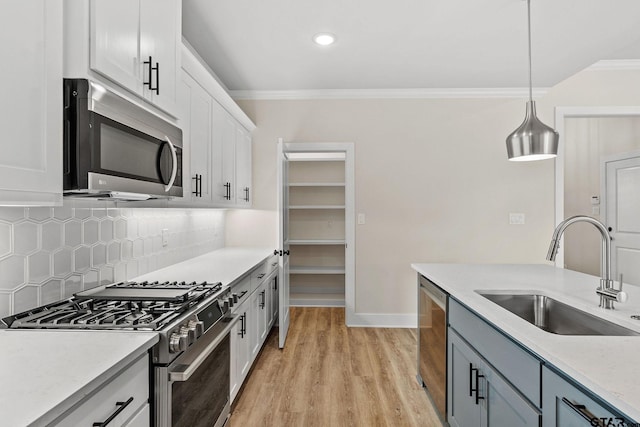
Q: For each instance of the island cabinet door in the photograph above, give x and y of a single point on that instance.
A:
(567, 406)
(462, 366)
(479, 396)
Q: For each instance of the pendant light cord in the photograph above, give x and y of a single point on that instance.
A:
(529, 33)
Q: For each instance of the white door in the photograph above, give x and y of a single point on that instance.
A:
(283, 268)
(31, 103)
(115, 52)
(196, 114)
(224, 156)
(622, 215)
(159, 24)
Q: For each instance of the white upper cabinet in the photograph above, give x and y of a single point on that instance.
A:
(31, 104)
(195, 118)
(224, 155)
(243, 167)
(134, 44)
(217, 134)
(160, 35)
(114, 43)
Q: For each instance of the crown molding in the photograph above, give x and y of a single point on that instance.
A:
(447, 93)
(616, 64)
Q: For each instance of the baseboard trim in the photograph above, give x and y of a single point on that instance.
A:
(392, 320)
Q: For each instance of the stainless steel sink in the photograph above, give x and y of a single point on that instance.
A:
(555, 317)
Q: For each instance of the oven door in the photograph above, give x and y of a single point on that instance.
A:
(193, 390)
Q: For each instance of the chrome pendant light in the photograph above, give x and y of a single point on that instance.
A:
(532, 140)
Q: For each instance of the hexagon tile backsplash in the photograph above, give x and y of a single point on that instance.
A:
(47, 254)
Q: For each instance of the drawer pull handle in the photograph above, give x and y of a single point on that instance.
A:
(120, 407)
(260, 276)
(583, 412)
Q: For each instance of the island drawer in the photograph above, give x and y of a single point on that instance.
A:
(515, 364)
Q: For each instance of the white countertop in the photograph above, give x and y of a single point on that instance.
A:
(44, 373)
(607, 366)
(224, 265)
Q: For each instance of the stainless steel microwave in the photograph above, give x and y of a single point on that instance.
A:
(115, 148)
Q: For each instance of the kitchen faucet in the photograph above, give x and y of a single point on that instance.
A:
(608, 294)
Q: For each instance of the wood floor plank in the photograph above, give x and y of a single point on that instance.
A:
(331, 375)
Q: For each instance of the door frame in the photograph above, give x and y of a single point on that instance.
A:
(350, 246)
(561, 114)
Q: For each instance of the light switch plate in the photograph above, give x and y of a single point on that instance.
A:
(165, 237)
(361, 218)
(516, 218)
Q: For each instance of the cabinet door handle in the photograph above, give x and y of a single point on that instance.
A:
(243, 325)
(119, 408)
(583, 412)
(227, 195)
(150, 75)
(275, 283)
(157, 88)
(475, 372)
(263, 298)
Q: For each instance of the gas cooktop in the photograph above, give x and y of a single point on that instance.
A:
(124, 305)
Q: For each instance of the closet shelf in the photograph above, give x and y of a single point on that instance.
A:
(316, 184)
(316, 242)
(316, 270)
(328, 207)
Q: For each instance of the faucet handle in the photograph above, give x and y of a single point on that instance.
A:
(622, 296)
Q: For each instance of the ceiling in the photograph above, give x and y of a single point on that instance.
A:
(406, 44)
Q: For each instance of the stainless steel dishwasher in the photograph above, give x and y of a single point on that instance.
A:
(432, 343)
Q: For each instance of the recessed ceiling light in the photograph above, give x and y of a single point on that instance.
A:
(324, 39)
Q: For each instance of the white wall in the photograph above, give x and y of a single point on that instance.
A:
(432, 178)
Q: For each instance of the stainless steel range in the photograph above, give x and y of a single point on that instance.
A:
(191, 362)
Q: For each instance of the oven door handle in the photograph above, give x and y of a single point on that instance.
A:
(184, 372)
(174, 160)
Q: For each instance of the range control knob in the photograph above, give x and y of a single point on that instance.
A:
(230, 302)
(197, 326)
(235, 297)
(177, 342)
(225, 306)
(189, 332)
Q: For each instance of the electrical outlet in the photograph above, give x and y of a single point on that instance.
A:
(516, 218)
(165, 237)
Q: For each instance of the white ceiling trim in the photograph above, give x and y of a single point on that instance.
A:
(616, 64)
(386, 93)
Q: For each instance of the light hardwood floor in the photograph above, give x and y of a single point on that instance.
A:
(331, 375)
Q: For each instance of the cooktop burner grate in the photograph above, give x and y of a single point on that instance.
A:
(126, 305)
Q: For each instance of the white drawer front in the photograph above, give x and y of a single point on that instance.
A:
(133, 382)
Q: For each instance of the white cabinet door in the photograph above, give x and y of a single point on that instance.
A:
(240, 348)
(31, 104)
(195, 117)
(135, 43)
(224, 154)
(159, 24)
(257, 320)
(114, 49)
(243, 167)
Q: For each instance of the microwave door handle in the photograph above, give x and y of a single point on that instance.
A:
(174, 159)
(184, 372)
